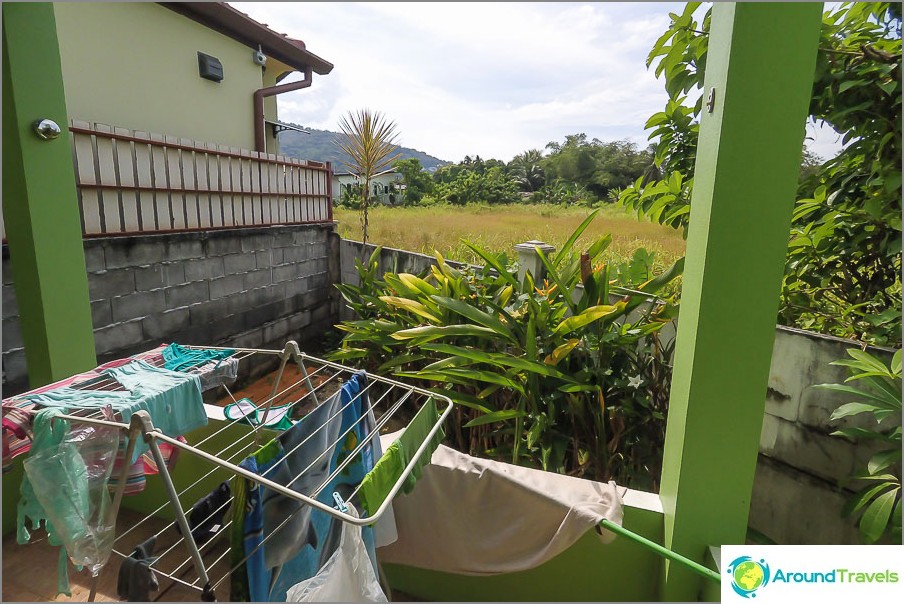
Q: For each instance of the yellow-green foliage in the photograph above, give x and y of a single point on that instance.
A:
(497, 229)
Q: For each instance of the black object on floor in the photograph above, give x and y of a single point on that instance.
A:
(136, 579)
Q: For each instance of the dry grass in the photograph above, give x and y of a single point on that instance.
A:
(498, 228)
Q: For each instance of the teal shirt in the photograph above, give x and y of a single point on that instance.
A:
(172, 398)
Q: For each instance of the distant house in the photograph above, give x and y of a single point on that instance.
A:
(187, 69)
(386, 187)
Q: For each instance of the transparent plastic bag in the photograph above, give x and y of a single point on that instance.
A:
(69, 482)
(347, 576)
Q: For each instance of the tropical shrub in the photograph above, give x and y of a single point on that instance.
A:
(879, 396)
(843, 270)
(567, 375)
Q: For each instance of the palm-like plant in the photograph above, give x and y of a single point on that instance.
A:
(368, 141)
(527, 171)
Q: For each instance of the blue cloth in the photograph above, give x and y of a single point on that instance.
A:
(180, 358)
(172, 399)
(311, 450)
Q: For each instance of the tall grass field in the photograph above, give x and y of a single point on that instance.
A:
(498, 228)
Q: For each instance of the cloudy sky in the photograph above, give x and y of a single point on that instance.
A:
(488, 79)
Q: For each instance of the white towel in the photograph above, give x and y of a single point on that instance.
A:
(474, 516)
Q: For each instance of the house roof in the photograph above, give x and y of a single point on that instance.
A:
(221, 17)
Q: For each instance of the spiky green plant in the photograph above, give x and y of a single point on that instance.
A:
(369, 141)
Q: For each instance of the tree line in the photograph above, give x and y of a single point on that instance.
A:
(575, 171)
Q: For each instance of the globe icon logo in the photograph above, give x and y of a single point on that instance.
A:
(748, 575)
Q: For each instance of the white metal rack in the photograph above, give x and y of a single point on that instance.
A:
(318, 377)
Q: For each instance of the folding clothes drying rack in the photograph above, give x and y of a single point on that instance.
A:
(383, 392)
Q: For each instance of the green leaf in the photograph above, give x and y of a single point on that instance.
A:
(431, 332)
(416, 283)
(868, 361)
(496, 416)
(853, 505)
(565, 252)
(849, 409)
(484, 376)
(882, 460)
(594, 313)
(465, 400)
(883, 401)
(493, 262)
(533, 434)
(876, 516)
(413, 306)
(499, 359)
(476, 315)
(655, 284)
(848, 84)
(561, 352)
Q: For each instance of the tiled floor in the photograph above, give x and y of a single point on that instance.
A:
(30, 571)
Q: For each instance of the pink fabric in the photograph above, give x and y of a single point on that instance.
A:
(17, 412)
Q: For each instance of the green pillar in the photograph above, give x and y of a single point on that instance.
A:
(40, 206)
(760, 62)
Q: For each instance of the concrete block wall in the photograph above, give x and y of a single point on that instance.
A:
(391, 260)
(802, 478)
(801, 481)
(252, 288)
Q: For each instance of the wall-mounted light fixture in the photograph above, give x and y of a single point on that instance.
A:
(210, 67)
(258, 57)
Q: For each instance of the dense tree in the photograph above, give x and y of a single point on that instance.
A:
(418, 183)
(597, 166)
(843, 271)
(527, 170)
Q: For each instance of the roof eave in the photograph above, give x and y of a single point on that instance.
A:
(221, 17)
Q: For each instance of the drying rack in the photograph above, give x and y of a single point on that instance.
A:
(316, 377)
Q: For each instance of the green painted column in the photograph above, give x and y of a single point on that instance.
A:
(760, 63)
(40, 206)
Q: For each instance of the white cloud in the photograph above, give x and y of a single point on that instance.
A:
(488, 79)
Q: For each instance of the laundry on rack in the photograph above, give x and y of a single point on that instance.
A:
(347, 576)
(217, 373)
(18, 410)
(277, 528)
(65, 488)
(16, 434)
(181, 358)
(250, 581)
(144, 466)
(206, 516)
(172, 399)
(136, 578)
(375, 487)
(245, 411)
(213, 366)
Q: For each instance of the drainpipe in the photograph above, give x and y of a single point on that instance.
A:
(260, 142)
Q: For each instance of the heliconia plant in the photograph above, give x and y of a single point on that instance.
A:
(567, 375)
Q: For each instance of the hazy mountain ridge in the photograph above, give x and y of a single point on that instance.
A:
(320, 145)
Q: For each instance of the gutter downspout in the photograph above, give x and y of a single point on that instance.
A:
(260, 142)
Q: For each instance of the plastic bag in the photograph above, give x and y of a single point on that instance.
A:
(347, 576)
(67, 474)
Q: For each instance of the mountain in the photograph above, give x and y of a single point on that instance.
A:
(320, 145)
